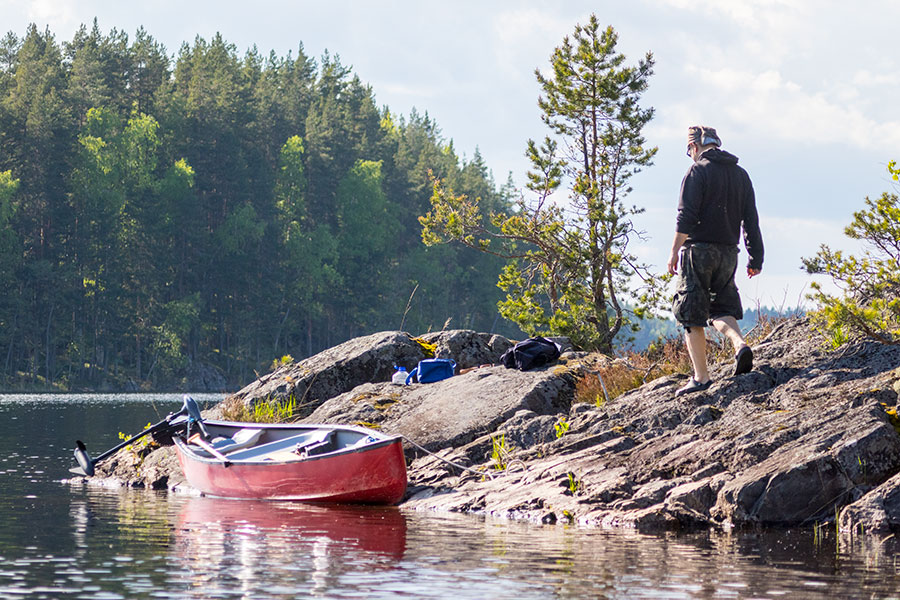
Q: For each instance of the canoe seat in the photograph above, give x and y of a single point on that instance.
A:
(242, 439)
(320, 445)
(294, 443)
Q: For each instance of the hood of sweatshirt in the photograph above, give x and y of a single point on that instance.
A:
(719, 156)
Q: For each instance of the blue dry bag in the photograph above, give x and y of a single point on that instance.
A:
(431, 370)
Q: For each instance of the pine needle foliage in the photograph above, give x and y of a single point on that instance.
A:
(870, 284)
(569, 270)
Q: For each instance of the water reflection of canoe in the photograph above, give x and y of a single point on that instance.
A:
(319, 463)
(380, 530)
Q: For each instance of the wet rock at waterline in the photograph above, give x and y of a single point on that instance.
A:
(808, 434)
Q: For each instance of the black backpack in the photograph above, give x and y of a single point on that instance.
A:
(531, 353)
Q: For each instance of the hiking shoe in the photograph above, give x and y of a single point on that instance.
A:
(693, 386)
(743, 361)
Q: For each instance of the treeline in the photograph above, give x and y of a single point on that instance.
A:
(163, 214)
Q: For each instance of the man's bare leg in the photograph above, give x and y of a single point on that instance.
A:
(742, 353)
(695, 340)
(728, 326)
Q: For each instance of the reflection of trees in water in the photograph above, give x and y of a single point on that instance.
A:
(203, 547)
(578, 563)
(141, 522)
(283, 549)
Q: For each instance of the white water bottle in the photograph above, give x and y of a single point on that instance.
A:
(399, 375)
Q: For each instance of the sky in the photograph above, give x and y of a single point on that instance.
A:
(802, 91)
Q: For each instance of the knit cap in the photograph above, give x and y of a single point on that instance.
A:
(703, 136)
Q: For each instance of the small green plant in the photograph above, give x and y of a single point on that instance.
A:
(574, 484)
(835, 335)
(499, 452)
(427, 348)
(561, 427)
(138, 445)
(140, 448)
(287, 359)
(268, 411)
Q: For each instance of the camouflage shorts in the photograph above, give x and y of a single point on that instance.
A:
(705, 288)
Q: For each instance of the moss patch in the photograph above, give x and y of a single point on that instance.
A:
(427, 348)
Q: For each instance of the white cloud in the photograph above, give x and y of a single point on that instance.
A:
(785, 111)
(765, 67)
(767, 30)
(525, 38)
(59, 15)
(43, 10)
(866, 78)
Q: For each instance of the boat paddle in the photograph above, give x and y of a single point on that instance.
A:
(197, 439)
(193, 411)
(190, 411)
(86, 463)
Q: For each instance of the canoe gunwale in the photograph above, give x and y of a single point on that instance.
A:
(189, 452)
(193, 453)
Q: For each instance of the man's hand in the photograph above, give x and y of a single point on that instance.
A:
(677, 243)
(673, 264)
(751, 273)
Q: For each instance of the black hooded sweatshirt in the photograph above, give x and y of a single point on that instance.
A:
(716, 198)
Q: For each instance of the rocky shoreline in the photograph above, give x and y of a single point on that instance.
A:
(808, 436)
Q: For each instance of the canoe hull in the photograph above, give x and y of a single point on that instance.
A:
(373, 474)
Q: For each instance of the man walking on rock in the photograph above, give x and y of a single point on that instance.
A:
(716, 202)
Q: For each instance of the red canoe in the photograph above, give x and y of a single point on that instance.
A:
(315, 463)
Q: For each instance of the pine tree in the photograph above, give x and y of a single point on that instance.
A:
(569, 271)
(870, 303)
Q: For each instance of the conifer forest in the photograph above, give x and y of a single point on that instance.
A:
(164, 213)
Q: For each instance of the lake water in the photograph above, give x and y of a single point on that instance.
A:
(70, 541)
